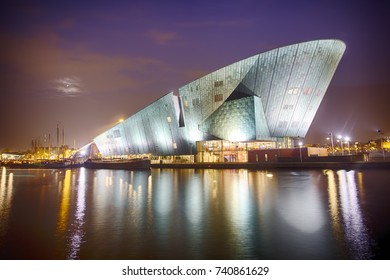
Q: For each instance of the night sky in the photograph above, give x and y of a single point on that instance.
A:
(83, 65)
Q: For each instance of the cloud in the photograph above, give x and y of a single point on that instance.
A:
(162, 38)
(68, 86)
(45, 64)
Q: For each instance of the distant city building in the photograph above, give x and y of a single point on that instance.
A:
(271, 97)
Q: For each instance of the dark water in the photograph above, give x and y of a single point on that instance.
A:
(194, 214)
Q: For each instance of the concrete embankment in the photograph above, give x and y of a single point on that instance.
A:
(278, 165)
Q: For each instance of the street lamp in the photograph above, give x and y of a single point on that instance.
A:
(381, 137)
(331, 141)
(300, 150)
(356, 147)
(347, 139)
(340, 139)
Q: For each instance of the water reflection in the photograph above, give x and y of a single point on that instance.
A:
(299, 202)
(187, 214)
(349, 224)
(240, 210)
(6, 193)
(77, 232)
(334, 205)
(355, 229)
(65, 202)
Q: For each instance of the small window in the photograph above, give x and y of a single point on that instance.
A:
(218, 83)
(116, 133)
(169, 119)
(282, 124)
(288, 107)
(218, 97)
(293, 91)
(195, 102)
(294, 124)
(307, 91)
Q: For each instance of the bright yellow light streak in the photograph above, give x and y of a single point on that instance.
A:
(333, 203)
(150, 198)
(361, 185)
(65, 201)
(2, 188)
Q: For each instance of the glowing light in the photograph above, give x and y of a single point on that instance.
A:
(78, 234)
(355, 229)
(6, 193)
(237, 135)
(333, 203)
(291, 210)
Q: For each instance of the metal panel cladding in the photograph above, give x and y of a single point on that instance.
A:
(292, 81)
(273, 94)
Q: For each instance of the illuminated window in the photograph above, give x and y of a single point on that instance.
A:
(185, 102)
(293, 90)
(307, 91)
(169, 119)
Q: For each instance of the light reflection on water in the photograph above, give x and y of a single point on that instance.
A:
(190, 214)
(6, 192)
(65, 202)
(77, 231)
(355, 229)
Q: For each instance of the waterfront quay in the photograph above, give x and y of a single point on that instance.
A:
(278, 165)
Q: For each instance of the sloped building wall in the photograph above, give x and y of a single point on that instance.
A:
(272, 94)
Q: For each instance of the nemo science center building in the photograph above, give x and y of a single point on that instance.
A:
(263, 102)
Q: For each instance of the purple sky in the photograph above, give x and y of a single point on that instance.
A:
(86, 64)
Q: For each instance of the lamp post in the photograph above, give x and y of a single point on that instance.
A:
(381, 137)
(340, 139)
(347, 139)
(331, 141)
(300, 150)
